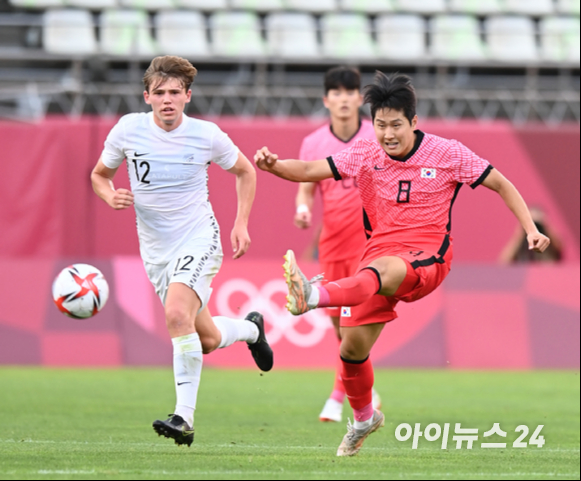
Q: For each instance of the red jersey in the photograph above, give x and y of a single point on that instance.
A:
(411, 197)
(343, 235)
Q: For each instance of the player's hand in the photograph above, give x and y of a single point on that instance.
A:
(538, 242)
(240, 240)
(264, 159)
(303, 219)
(121, 199)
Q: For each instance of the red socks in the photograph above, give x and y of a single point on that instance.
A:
(358, 381)
(350, 291)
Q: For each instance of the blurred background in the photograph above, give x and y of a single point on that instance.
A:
(501, 76)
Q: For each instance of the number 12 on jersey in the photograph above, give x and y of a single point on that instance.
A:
(142, 164)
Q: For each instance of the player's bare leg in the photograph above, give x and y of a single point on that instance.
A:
(358, 380)
(181, 308)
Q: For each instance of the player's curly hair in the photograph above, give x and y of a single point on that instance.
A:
(394, 92)
(169, 66)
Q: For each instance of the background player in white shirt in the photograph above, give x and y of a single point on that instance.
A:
(167, 156)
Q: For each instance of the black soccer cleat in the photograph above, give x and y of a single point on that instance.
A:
(175, 428)
(261, 351)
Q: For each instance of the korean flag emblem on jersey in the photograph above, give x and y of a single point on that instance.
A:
(428, 173)
(345, 312)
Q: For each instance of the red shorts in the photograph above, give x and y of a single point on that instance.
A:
(428, 265)
(338, 270)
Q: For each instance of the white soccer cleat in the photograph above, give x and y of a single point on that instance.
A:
(375, 400)
(332, 412)
(354, 438)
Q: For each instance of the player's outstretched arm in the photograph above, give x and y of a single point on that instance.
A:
(293, 170)
(512, 198)
(245, 190)
(102, 180)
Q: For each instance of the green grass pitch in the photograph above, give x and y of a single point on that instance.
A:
(96, 424)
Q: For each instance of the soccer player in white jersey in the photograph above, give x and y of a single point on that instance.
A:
(408, 181)
(168, 155)
(342, 238)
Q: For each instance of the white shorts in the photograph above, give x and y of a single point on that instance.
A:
(195, 265)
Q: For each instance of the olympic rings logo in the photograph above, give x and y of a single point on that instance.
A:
(282, 323)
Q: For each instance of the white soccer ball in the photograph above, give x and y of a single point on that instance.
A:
(80, 291)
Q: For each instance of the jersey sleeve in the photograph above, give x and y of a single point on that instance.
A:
(348, 162)
(113, 152)
(224, 152)
(470, 168)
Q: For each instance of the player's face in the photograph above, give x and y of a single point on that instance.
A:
(343, 103)
(168, 101)
(394, 132)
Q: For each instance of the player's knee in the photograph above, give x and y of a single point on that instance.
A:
(177, 318)
(350, 352)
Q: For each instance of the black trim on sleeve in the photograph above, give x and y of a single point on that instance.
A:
(482, 178)
(367, 225)
(376, 272)
(434, 260)
(336, 173)
(350, 361)
(449, 226)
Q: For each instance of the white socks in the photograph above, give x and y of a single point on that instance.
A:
(314, 298)
(363, 424)
(234, 330)
(187, 367)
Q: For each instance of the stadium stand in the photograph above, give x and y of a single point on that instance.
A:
(126, 32)
(572, 7)
(176, 25)
(421, 6)
(457, 37)
(401, 36)
(92, 4)
(147, 4)
(476, 7)
(313, 6)
(236, 34)
(512, 39)
(560, 39)
(367, 6)
(530, 7)
(347, 35)
(69, 32)
(292, 35)
(203, 5)
(257, 5)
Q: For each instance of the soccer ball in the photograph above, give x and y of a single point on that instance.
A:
(80, 291)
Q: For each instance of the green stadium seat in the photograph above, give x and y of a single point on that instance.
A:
(317, 6)
(69, 32)
(203, 5)
(126, 32)
(457, 37)
(511, 39)
(560, 39)
(292, 35)
(347, 35)
(571, 7)
(257, 5)
(529, 7)
(477, 7)
(236, 34)
(173, 26)
(426, 7)
(371, 7)
(401, 36)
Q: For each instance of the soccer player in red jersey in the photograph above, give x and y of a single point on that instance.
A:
(408, 181)
(342, 238)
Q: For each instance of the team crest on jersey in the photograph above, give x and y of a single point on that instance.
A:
(345, 312)
(428, 173)
(189, 158)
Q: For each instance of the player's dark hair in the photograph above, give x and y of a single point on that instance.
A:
(169, 66)
(395, 92)
(346, 77)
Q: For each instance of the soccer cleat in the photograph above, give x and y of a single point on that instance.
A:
(332, 412)
(175, 428)
(261, 351)
(375, 400)
(354, 438)
(299, 287)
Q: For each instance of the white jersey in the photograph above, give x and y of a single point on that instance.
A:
(169, 178)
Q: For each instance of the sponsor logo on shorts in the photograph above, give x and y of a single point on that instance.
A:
(345, 312)
(428, 173)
